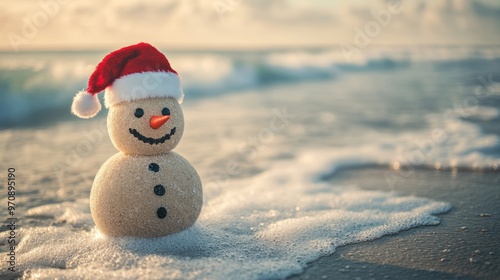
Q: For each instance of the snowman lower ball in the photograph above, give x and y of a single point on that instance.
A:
(145, 190)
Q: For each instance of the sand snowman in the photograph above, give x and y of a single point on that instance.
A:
(145, 190)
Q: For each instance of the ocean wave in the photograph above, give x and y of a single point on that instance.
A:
(37, 86)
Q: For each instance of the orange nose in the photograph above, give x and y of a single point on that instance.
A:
(157, 121)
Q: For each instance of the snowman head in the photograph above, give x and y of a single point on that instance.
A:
(143, 94)
(146, 126)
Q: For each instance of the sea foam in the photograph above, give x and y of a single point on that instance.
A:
(267, 226)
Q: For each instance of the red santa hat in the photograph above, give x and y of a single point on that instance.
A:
(130, 73)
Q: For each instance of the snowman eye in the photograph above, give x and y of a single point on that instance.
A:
(139, 112)
(165, 111)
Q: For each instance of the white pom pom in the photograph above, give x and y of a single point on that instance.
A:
(85, 105)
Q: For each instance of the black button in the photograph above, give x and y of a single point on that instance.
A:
(154, 167)
(161, 212)
(159, 190)
(165, 111)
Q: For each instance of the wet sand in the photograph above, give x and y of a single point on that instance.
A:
(466, 245)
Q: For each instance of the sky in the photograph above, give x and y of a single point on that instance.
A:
(245, 24)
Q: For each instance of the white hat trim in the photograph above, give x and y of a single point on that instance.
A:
(144, 85)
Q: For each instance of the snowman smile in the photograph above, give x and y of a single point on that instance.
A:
(149, 140)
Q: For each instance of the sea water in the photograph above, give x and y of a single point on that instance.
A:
(264, 130)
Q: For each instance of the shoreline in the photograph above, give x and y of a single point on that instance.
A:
(465, 245)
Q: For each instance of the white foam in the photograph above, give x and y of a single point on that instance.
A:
(266, 226)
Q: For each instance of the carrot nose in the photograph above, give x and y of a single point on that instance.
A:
(157, 121)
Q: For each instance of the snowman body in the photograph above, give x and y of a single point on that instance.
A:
(146, 196)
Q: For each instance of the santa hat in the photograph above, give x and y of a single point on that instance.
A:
(131, 73)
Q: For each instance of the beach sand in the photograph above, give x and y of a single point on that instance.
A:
(466, 245)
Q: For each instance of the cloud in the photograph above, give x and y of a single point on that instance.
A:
(245, 23)
(483, 9)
